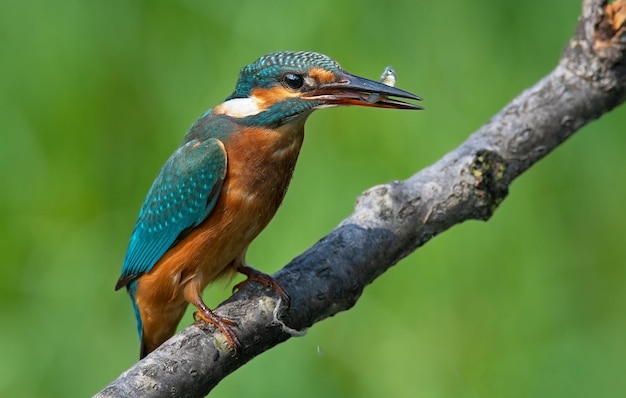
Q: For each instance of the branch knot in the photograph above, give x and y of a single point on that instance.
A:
(489, 170)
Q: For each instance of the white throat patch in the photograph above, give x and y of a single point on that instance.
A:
(239, 107)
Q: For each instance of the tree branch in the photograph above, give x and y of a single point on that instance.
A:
(392, 220)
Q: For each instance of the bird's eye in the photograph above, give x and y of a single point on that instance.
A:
(293, 81)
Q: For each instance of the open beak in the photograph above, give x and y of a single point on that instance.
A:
(354, 90)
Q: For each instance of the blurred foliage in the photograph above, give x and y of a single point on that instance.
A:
(94, 96)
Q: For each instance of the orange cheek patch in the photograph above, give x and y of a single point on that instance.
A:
(270, 96)
(322, 75)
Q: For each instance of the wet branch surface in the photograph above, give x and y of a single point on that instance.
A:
(392, 220)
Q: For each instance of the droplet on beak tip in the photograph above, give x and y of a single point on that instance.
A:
(388, 77)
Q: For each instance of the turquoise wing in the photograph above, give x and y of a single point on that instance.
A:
(181, 197)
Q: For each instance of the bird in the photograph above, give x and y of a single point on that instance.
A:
(224, 183)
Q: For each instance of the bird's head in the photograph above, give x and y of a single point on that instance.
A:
(284, 86)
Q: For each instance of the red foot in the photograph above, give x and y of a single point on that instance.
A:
(223, 324)
(264, 279)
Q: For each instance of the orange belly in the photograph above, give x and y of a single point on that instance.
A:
(260, 166)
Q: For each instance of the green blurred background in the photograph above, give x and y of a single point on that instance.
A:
(94, 96)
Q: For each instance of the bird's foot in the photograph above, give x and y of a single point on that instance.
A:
(264, 279)
(223, 324)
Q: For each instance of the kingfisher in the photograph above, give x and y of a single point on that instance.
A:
(224, 183)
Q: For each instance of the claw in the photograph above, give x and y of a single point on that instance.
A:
(264, 279)
(223, 324)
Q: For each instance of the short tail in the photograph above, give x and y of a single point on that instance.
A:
(143, 350)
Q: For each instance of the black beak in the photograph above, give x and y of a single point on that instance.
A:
(355, 90)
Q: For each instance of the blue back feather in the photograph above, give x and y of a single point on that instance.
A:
(181, 197)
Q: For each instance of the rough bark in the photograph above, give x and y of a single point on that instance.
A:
(392, 220)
